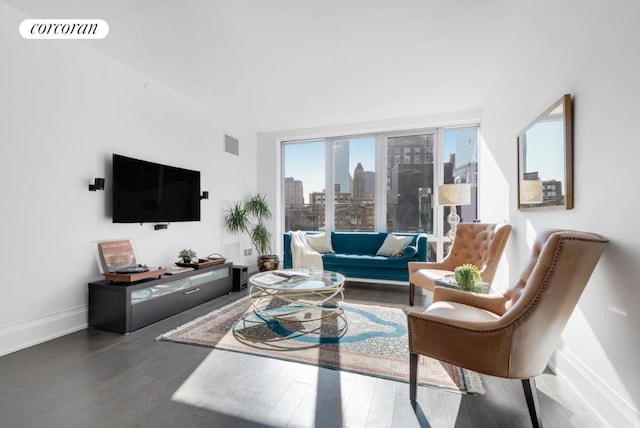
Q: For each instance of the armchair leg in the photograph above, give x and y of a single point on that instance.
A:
(413, 377)
(412, 292)
(531, 394)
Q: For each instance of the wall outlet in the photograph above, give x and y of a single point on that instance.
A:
(248, 251)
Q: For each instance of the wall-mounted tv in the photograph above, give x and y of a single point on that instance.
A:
(150, 192)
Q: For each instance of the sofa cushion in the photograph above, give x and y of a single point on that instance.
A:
(393, 245)
(320, 242)
(363, 261)
(357, 242)
(409, 251)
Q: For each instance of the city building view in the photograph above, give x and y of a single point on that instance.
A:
(549, 192)
(410, 180)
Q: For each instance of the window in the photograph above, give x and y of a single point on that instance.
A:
(410, 183)
(460, 165)
(354, 184)
(385, 181)
(304, 195)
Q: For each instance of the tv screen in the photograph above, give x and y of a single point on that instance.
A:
(151, 192)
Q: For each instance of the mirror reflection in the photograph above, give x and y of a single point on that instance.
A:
(544, 159)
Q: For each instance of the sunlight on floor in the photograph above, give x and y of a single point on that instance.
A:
(286, 394)
(231, 383)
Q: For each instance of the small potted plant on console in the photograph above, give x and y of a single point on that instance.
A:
(187, 255)
(248, 216)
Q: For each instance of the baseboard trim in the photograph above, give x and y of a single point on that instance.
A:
(25, 334)
(377, 281)
(607, 405)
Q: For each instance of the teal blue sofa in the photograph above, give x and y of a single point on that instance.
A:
(355, 255)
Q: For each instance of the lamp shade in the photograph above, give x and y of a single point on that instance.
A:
(530, 191)
(454, 194)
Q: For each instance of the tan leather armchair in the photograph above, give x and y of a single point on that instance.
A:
(479, 243)
(511, 335)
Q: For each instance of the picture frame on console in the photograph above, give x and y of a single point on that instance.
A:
(116, 254)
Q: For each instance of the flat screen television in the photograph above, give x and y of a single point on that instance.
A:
(146, 192)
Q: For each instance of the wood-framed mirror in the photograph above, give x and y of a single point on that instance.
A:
(545, 159)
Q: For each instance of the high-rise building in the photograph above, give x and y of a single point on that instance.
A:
(342, 178)
(412, 197)
(552, 192)
(466, 161)
(363, 183)
(369, 185)
(293, 191)
(410, 182)
(358, 182)
(465, 168)
(415, 149)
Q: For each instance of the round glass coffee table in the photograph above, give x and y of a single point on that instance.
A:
(288, 292)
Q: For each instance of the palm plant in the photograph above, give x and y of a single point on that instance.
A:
(248, 217)
(187, 255)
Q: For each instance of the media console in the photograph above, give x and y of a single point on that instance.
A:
(126, 307)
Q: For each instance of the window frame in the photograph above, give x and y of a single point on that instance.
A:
(380, 138)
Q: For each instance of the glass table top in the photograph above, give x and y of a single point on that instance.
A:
(297, 279)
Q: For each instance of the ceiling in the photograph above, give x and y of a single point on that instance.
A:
(284, 64)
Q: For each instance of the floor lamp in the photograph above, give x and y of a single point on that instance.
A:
(453, 195)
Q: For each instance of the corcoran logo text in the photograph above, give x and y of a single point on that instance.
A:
(64, 29)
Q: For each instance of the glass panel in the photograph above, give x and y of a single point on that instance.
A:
(410, 183)
(354, 183)
(446, 248)
(460, 149)
(304, 171)
(432, 251)
(155, 291)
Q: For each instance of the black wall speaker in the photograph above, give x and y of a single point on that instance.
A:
(240, 277)
(98, 184)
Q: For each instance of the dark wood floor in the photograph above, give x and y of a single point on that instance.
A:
(99, 379)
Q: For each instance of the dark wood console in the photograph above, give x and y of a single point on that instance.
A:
(126, 307)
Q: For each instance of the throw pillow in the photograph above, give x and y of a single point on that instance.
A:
(320, 242)
(409, 251)
(393, 245)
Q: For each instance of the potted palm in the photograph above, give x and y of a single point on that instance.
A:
(248, 217)
(187, 255)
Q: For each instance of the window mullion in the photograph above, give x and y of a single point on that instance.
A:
(329, 179)
(439, 179)
(381, 183)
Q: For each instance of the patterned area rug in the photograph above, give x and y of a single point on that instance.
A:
(361, 338)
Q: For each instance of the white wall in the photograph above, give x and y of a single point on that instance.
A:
(588, 49)
(65, 109)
